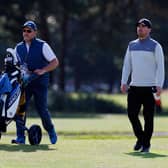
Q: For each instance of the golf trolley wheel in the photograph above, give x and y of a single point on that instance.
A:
(34, 134)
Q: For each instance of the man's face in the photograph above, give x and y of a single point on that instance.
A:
(28, 34)
(143, 31)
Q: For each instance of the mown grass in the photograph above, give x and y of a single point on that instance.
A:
(82, 153)
(88, 140)
(100, 141)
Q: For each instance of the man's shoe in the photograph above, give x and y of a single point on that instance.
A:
(18, 140)
(137, 146)
(53, 136)
(145, 149)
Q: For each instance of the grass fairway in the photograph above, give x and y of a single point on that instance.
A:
(77, 153)
(103, 141)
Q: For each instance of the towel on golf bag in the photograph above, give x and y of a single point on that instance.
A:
(5, 85)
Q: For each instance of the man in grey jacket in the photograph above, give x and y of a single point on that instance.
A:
(144, 61)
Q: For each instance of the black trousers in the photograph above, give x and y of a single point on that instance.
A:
(141, 97)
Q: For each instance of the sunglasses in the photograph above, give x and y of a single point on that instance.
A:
(27, 31)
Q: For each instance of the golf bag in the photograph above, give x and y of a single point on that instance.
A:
(13, 80)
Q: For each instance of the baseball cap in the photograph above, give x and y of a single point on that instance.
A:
(145, 22)
(30, 24)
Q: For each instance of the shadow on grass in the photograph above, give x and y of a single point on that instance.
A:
(146, 155)
(78, 115)
(83, 115)
(68, 115)
(25, 148)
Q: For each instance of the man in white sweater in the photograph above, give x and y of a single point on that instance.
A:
(144, 62)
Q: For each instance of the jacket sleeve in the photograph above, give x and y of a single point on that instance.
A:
(126, 70)
(160, 69)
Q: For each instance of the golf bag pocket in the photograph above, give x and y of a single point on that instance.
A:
(12, 101)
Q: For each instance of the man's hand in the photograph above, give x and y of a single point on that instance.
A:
(50, 67)
(124, 88)
(39, 71)
(158, 90)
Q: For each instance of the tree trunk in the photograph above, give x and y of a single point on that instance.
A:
(63, 51)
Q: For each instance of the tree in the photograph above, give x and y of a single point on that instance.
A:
(89, 36)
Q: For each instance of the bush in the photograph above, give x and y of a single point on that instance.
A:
(82, 102)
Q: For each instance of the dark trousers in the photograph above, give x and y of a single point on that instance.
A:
(137, 97)
(39, 93)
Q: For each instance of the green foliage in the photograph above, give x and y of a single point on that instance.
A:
(89, 36)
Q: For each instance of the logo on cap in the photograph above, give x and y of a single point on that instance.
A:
(30, 24)
(145, 22)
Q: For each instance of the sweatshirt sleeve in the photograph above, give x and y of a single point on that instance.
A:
(160, 71)
(126, 67)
